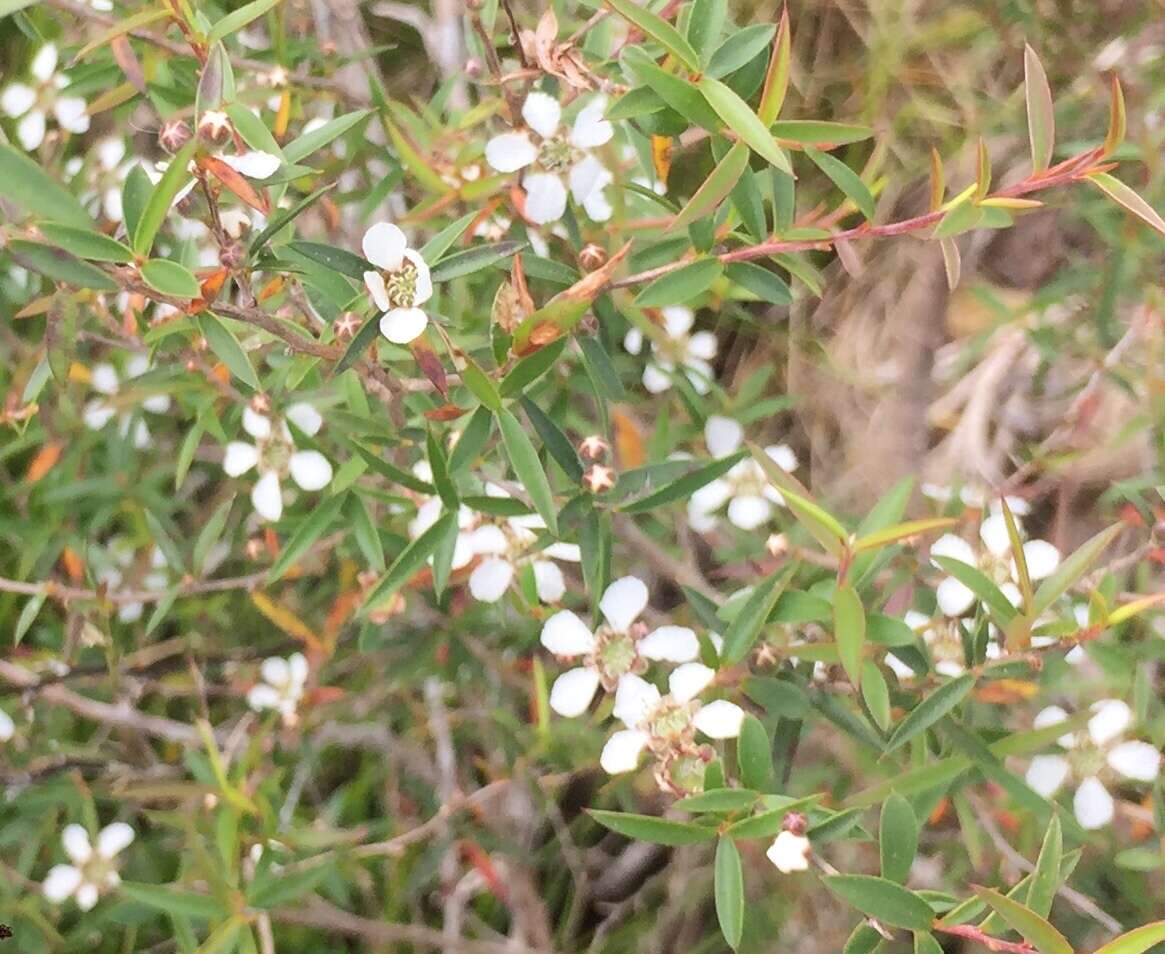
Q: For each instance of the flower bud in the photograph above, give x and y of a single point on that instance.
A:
(214, 128)
(473, 68)
(174, 135)
(593, 448)
(598, 479)
(592, 257)
(777, 544)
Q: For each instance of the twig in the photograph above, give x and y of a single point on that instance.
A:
(973, 933)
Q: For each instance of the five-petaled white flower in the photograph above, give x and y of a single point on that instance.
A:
(667, 725)
(401, 285)
(550, 153)
(996, 562)
(619, 647)
(99, 411)
(30, 103)
(1090, 754)
(676, 350)
(93, 870)
(275, 456)
(789, 852)
(282, 685)
(751, 498)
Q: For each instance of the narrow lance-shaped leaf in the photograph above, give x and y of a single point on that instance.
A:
(1033, 928)
(1041, 120)
(897, 838)
(1127, 199)
(528, 468)
(661, 831)
(849, 629)
(162, 197)
(658, 29)
(1072, 569)
(1116, 118)
(740, 118)
(410, 560)
(715, 188)
(1045, 879)
(1136, 941)
(932, 708)
(845, 179)
(890, 903)
(777, 78)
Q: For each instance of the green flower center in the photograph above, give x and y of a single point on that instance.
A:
(402, 286)
(557, 155)
(671, 721)
(274, 454)
(1086, 759)
(616, 655)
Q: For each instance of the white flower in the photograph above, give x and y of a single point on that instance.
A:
(105, 177)
(7, 726)
(789, 852)
(618, 647)
(677, 351)
(282, 685)
(550, 154)
(275, 457)
(30, 104)
(401, 285)
(975, 495)
(994, 560)
(505, 548)
(116, 560)
(99, 411)
(92, 870)
(751, 498)
(667, 725)
(944, 640)
(1092, 753)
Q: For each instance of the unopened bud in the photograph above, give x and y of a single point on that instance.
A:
(592, 257)
(174, 135)
(214, 128)
(777, 544)
(593, 447)
(795, 822)
(473, 68)
(210, 801)
(598, 479)
(255, 548)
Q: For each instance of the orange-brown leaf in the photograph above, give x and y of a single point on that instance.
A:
(44, 461)
(236, 183)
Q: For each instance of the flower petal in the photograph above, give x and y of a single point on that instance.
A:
(1093, 804)
(31, 129)
(510, 152)
(564, 634)
(573, 691)
(7, 727)
(545, 197)
(783, 456)
(720, 719)
(44, 64)
(548, 581)
(622, 751)
(1041, 557)
(677, 320)
(597, 207)
(669, 644)
(587, 177)
(262, 696)
(789, 852)
(542, 113)
(1047, 773)
(590, 128)
(1136, 760)
(378, 290)
(310, 469)
(489, 539)
(423, 289)
(97, 414)
(956, 548)
(275, 671)
(703, 346)
(623, 601)
(87, 895)
(749, 512)
(402, 325)
(305, 417)
(490, 579)
(384, 246)
(60, 883)
(254, 164)
(17, 99)
(71, 114)
(239, 458)
(1110, 718)
(633, 341)
(75, 840)
(635, 698)
(267, 496)
(993, 533)
(256, 424)
(953, 598)
(656, 380)
(689, 680)
(113, 839)
(723, 435)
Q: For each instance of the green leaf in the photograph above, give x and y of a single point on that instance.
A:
(705, 25)
(473, 260)
(556, 442)
(1045, 879)
(361, 342)
(849, 628)
(471, 441)
(334, 259)
(439, 244)
(303, 146)
(530, 368)
(961, 218)
(272, 892)
(658, 29)
(740, 49)
(308, 532)
(209, 535)
(683, 487)
(409, 561)
(252, 129)
(901, 531)
(174, 900)
(890, 903)
(715, 188)
(766, 284)
(824, 527)
(728, 888)
(742, 632)
(237, 19)
(157, 207)
(862, 940)
(1031, 927)
(980, 585)
(675, 91)
(682, 285)
(439, 466)
(932, 708)
(285, 216)
(59, 265)
(28, 614)
(1072, 569)
(1136, 941)
(744, 122)
(778, 697)
(170, 278)
(481, 385)
(776, 85)
(819, 133)
(1041, 117)
(719, 800)
(528, 468)
(754, 752)
(660, 831)
(897, 838)
(876, 694)
(85, 243)
(601, 369)
(226, 347)
(845, 179)
(24, 183)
